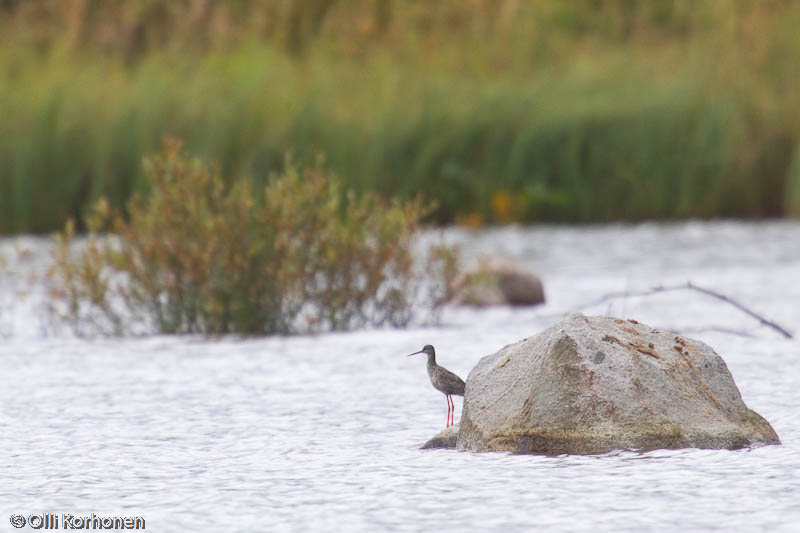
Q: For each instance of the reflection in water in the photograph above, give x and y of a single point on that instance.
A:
(322, 433)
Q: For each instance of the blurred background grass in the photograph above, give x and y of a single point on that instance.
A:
(499, 111)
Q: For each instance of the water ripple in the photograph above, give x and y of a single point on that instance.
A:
(322, 433)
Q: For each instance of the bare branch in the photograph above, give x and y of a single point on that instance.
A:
(760, 318)
(689, 286)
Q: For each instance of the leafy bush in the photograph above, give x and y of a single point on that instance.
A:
(197, 256)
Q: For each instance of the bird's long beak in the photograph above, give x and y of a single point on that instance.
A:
(415, 353)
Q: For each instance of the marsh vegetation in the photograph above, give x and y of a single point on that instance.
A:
(197, 256)
(497, 111)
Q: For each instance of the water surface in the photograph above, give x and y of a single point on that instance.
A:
(322, 433)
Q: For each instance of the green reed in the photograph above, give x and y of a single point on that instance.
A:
(559, 111)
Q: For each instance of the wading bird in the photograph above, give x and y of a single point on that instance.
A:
(443, 380)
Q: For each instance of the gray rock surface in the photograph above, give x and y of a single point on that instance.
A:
(444, 439)
(497, 281)
(593, 384)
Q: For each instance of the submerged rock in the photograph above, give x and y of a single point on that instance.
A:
(497, 281)
(589, 385)
(444, 439)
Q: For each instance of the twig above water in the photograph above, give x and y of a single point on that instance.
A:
(689, 286)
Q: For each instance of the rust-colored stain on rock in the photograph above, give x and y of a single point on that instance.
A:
(647, 350)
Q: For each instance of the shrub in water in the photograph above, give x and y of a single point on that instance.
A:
(197, 256)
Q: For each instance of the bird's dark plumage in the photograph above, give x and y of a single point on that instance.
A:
(443, 380)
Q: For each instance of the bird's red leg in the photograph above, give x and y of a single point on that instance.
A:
(450, 408)
(452, 411)
(447, 397)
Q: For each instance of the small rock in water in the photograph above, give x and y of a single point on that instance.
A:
(444, 439)
(497, 281)
(589, 385)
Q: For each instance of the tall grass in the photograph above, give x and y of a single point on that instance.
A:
(497, 112)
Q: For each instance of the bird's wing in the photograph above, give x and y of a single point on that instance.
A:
(452, 383)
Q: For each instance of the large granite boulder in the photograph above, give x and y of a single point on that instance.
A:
(589, 385)
(497, 281)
